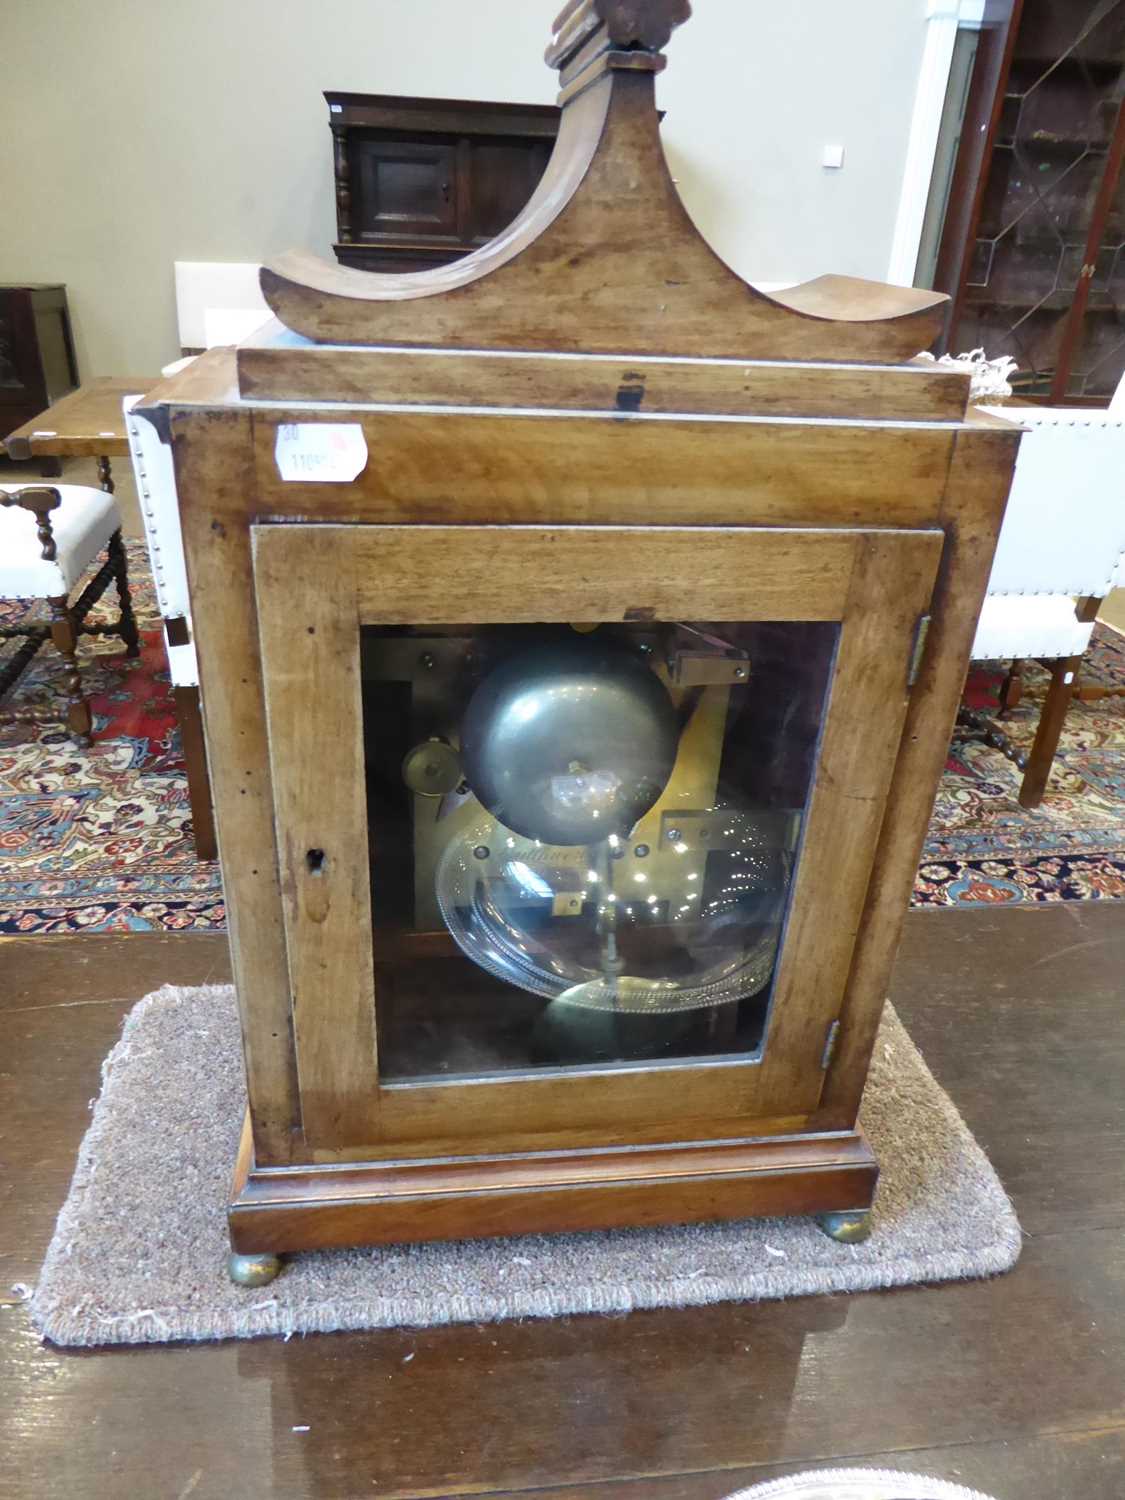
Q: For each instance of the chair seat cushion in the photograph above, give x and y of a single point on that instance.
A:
(82, 525)
(1033, 625)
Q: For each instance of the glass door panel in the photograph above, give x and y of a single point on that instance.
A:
(583, 838)
(540, 877)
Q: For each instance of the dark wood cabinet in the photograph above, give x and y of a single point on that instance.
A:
(1033, 247)
(422, 182)
(37, 363)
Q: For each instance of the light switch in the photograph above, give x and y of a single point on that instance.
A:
(833, 156)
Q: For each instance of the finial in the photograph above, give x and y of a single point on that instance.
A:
(591, 36)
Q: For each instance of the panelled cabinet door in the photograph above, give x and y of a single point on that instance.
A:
(406, 187)
(575, 824)
(503, 174)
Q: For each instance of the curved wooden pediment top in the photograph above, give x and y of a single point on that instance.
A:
(604, 258)
(851, 299)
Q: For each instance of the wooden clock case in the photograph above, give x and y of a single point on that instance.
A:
(590, 418)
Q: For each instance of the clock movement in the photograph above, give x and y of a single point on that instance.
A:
(581, 631)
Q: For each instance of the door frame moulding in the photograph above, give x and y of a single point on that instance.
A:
(944, 18)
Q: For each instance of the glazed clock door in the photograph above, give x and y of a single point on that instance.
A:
(575, 824)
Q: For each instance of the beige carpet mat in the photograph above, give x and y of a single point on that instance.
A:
(139, 1252)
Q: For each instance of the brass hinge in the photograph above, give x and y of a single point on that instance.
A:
(830, 1046)
(917, 650)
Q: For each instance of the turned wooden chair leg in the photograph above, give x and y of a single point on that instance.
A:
(1011, 689)
(128, 622)
(1064, 674)
(65, 637)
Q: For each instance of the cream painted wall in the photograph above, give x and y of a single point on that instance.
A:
(140, 133)
(1113, 610)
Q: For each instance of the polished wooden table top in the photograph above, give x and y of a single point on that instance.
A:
(88, 422)
(1011, 1386)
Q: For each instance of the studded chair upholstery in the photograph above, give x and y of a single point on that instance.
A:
(1058, 554)
(160, 512)
(50, 537)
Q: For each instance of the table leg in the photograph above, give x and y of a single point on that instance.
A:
(105, 473)
(195, 764)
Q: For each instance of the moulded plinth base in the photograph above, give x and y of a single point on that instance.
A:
(373, 1203)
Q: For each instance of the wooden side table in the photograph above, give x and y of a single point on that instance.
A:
(90, 423)
(87, 423)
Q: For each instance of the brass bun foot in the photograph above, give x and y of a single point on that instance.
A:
(847, 1228)
(253, 1270)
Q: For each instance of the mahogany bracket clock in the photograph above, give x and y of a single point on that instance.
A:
(581, 632)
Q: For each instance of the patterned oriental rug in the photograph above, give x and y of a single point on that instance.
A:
(99, 839)
(984, 849)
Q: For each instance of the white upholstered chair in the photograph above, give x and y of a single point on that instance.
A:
(233, 317)
(160, 512)
(50, 537)
(1057, 557)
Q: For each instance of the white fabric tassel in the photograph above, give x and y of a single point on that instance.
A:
(989, 377)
